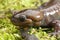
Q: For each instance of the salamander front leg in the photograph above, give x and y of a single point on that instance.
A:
(26, 35)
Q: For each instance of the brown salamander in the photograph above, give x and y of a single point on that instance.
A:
(29, 18)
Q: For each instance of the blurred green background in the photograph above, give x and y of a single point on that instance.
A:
(8, 31)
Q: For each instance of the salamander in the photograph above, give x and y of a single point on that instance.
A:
(28, 18)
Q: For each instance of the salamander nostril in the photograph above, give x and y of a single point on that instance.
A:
(22, 18)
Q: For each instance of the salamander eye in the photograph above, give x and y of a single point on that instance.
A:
(22, 18)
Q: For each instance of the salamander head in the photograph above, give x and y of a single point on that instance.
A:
(20, 20)
(27, 18)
